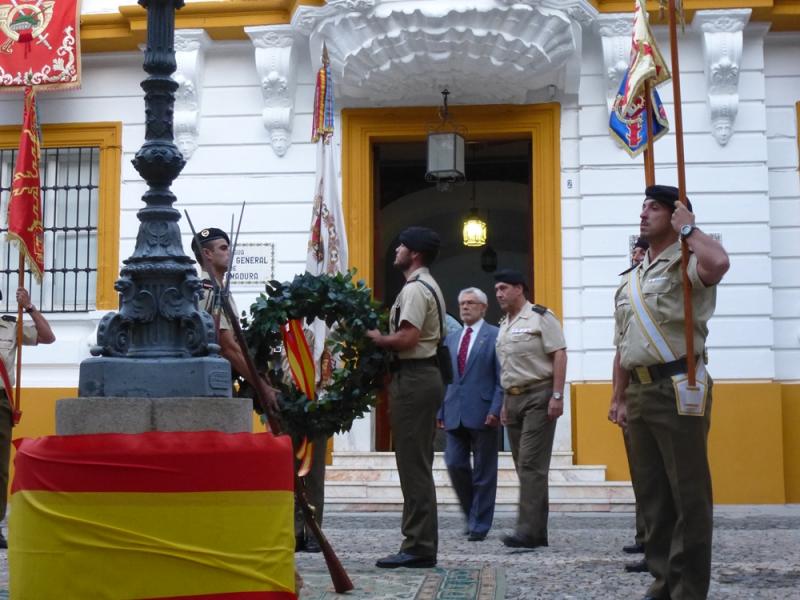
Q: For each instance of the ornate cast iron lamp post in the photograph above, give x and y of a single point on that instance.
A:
(159, 344)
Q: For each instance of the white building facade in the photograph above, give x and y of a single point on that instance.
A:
(243, 119)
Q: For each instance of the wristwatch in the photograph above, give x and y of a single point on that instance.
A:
(557, 396)
(687, 230)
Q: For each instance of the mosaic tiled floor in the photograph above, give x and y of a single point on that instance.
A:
(485, 583)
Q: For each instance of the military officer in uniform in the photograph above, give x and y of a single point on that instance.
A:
(38, 333)
(415, 393)
(533, 366)
(669, 430)
(213, 256)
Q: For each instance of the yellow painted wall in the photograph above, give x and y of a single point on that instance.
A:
(790, 396)
(38, 414)
(752, 435)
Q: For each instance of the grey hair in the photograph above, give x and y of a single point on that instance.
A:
(478, 293)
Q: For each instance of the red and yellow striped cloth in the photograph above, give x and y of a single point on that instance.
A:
(179, 515)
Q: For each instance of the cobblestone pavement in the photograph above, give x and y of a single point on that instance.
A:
(756, 553)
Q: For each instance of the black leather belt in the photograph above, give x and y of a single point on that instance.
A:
(412, 363)
(660, 371)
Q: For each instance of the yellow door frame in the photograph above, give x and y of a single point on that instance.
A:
(540, 123)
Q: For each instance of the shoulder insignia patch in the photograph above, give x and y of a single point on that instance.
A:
(9, 318)
(538, 308)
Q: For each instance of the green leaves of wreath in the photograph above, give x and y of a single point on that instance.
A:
(360, 365)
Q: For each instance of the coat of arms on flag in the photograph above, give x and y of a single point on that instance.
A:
(39, 43)
(627, 122)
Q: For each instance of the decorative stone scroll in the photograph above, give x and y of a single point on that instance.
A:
(190, 46)
(276, 65)
(615, 34)
(722, 51)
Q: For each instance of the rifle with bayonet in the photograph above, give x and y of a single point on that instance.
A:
(265, 399)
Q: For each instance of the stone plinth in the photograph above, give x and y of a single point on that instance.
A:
(76, 416)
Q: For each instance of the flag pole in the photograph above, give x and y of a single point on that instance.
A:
(16, 412)
(649, 152)
(687, 285)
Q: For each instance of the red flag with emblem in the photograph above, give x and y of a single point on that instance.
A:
(25, 205)
(39, 44)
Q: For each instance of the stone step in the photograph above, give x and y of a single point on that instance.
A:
(366, 460)
(507, 492)
(345, 505)
(590, 473)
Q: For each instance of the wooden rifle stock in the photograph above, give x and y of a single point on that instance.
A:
(341, 581)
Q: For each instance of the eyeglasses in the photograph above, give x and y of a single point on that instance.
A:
(469, 303)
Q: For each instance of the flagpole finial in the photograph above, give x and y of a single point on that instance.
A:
(325, 58)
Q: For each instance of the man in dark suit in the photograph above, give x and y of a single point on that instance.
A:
(471, 414)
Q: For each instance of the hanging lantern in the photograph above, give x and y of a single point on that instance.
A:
(489, 260)
(475, 230)
(445, 151)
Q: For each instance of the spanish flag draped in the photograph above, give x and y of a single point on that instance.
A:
(187, 515)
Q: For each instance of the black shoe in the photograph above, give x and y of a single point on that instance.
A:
(515, 541)
(401, 559)
(476, 537)
(633, 549)
(3, 542)
(299, 543)
(640, 566)
(312, 545)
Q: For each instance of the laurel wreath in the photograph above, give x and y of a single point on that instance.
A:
(360, 369)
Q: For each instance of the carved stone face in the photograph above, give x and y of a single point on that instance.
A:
(280, 141)
(723, 130)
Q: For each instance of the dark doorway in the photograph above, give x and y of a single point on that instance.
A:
(498, 184)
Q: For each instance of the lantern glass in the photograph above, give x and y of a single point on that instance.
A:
(474, 231)
(445, 156)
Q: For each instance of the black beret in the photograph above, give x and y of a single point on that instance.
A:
(209, 234)
(510, 276)
(421, 239)
(642, 243)
(666, 195)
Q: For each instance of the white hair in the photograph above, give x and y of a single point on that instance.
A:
(477, 292)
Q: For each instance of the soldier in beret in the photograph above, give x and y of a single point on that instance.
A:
(38, 333)
(668, 434)
(639, 250)
(415, 393)
(533, 367)
(213, 255)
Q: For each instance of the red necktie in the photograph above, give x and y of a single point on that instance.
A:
(462, 351)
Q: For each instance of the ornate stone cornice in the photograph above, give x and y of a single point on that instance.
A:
(615, 34)
(276, 65)
(404, 51)
(721, 32)
(190, 45)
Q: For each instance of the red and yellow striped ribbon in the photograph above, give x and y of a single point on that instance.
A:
(301, 361)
